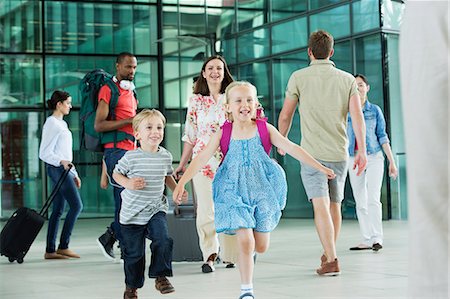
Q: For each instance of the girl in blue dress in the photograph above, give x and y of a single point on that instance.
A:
(249, 189)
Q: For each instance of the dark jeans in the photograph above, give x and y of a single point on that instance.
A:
(69, 193)
(112, 156)
(133, 248)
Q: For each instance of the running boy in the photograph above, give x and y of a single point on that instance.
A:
(143, 173)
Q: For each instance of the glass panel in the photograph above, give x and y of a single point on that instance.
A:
(20, 25)
(229, 50)
(100, 28)
(170, 29)
(21, 173)
(20, 80)
(222, 21)
(253, 45)
(366, 16)
(285, 8)
(282, 68)
(251, 14)
(395, 105)
(368, 63)
(336, 21)
(399, 200)
(190, 67)
(314, 4)
(96, 201)
(65, 72)
(290, 35)
(258, 75)
(342, 56)
(171, 68)
(392, 14)
(172, 94)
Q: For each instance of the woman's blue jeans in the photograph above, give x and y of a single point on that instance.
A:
(161, 247)
(68, 192)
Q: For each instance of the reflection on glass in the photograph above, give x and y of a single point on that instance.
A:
(290, 35)
(366, 16)
(253, 45)
(100, 28)
(21, 178)
(20, 29)
(342, 56)
(283, 67)
(392, 14)
(258, 75)
(250, 18)
(336, 21)
(20, 80)
(229, 50)
(368, 62)
(320, 3)
(286, 8)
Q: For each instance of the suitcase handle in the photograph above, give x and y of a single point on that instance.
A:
(52, 196)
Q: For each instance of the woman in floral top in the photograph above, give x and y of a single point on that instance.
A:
(205, 115)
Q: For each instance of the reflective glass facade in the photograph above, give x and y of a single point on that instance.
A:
(48, 45)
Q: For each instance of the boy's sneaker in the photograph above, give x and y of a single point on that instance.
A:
(163, 285)
(130, 293)
(329, 269)
(106, 243)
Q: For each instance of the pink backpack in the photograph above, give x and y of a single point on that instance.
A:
(261, 123)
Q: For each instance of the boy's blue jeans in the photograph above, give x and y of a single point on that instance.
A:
(133, 248)
(112, 156)
(69, 193)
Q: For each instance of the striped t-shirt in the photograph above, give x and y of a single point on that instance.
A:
(138, 206)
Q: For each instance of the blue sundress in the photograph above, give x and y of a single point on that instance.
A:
(249, 188)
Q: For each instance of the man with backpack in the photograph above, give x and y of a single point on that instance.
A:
(118, 122)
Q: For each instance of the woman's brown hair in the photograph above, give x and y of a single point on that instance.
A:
(201, 87)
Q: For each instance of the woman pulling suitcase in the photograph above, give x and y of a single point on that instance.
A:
(56, 151)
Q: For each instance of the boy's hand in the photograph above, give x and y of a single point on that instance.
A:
(178, 172)
(136, 183)
(179, 194)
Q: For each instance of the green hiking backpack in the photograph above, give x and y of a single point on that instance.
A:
(89, 87)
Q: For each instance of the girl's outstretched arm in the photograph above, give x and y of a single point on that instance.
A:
(197, 164)
(297, 151)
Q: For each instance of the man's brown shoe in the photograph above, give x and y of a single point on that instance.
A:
(54, 256)
(130, 293)
(67, 252)
(329, 269)
(163, 285)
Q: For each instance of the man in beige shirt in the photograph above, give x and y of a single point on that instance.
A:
(325, 95)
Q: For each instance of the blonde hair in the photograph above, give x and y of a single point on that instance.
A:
(237, 84)
(144, 114)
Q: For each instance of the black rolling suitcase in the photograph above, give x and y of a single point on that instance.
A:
(23, 227)
(183, 231)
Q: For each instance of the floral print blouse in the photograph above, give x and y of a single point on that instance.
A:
(204, 117)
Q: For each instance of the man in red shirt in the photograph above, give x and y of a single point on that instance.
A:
(111, 122)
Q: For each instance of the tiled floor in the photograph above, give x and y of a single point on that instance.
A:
(287, 270)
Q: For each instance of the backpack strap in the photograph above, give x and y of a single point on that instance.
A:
(226, 137)
(264, 134)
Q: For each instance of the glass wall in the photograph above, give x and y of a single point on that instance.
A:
(47, 45)
(39, 55)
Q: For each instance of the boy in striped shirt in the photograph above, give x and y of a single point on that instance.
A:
(143, 173)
